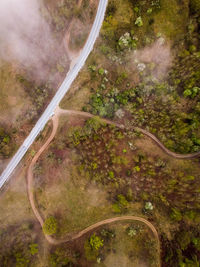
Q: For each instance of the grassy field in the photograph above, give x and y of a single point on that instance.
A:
(13, 100)
(124, 250)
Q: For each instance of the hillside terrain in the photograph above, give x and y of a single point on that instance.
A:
(124, 143)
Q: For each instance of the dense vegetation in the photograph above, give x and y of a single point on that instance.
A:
(20, 248)
(118, 161)
(127, 87)
(183, 249)
(6, 144)
(111, 157)
(169, 106)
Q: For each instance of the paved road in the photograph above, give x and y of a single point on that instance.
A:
(59, 95)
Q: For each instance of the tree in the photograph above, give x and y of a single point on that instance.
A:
(50, 226)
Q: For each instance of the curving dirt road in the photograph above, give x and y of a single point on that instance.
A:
(166, 150)
(71, 54)
(30, 189)
(153, 137)
(30, 185)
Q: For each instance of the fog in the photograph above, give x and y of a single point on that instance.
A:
(159, 54)
(25, 36)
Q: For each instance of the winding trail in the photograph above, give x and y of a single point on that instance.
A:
(71, 54)
(30, 184)
(153, 137)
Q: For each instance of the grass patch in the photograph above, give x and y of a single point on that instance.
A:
(171, 21)
(13, 99)
(125, 250)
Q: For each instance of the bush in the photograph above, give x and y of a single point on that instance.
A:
(92, 246)
(96, 242)
(121, 204)
(148, 206)
(33, 249)
(116, 208)
(6, 146)
(176, 214)
(21, 261)
(90, 254)
(60, 258)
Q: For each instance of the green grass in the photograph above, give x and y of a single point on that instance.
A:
(14, 204)
(80, 210)
(171, 21)
(77, 203)
(80, 98)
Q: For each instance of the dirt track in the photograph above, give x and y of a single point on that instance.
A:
(30, 186)
(153, 137)
(71, 54)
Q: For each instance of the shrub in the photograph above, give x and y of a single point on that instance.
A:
(92, 246)
(131, 231)
(148, 206)
(116, 208)
(196, 242)
(95, 242)
(187, 92)
(139, 22)
(101, 71)
(108, 234)
(122, 200)
(6, 146)
(136, 169)
(176, 214)
(90, 254)
(21, 261)
(111, 174)
(60, 258)
(184, 239)
(33, 249)
(191, 92)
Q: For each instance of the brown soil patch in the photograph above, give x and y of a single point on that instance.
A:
(121, 260)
